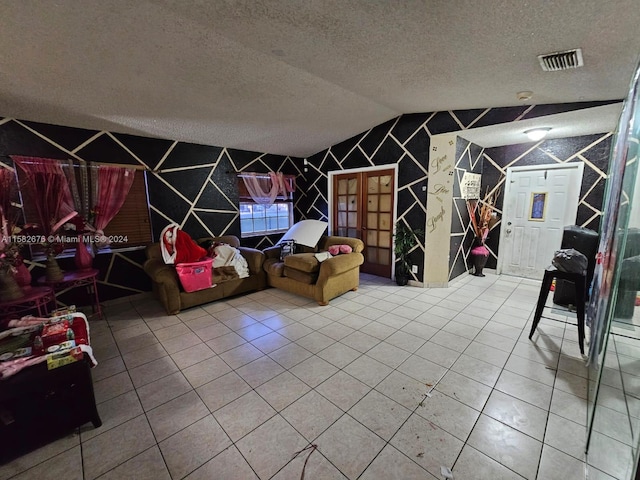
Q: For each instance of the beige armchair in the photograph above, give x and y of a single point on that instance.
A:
(302, 273)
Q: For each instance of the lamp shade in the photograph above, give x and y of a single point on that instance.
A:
(306, 232)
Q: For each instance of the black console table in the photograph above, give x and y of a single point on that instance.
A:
(38, 406)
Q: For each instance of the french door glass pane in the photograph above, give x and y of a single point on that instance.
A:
(385, 203)
(372, 238)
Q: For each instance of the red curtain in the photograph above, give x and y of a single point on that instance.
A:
(114, 184)
(50, 190)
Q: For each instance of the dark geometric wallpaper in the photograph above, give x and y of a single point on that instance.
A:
(592, 150)
(192, 185)
(468, 159)
(405, 141)
(195, 185)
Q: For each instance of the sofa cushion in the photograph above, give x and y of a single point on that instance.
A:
(299, 276)
(274, 267)
(305, 262)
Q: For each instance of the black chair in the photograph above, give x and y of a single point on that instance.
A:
(580, 282)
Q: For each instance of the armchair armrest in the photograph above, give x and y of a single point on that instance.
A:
(340, 264)
(272, 252)
(160, 272)
(254, 258)
(166, 283)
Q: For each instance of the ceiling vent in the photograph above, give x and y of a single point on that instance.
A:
(552, 62)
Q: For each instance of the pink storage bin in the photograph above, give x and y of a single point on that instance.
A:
(195, 276)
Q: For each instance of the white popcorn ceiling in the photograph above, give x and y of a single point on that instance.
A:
(294, 77)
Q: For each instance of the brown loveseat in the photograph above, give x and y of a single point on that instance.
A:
(303, 274)
(168, 290)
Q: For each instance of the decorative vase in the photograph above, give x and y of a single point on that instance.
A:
(9, 288)
(23, 277)
(52, 270)
(479, 261)
(83, 258)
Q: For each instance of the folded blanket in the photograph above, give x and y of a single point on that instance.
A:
(228, 256)
(224, 274)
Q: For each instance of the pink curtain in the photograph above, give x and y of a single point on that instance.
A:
(114, 184)
(49, 188)
(6, 190)
(264, 190)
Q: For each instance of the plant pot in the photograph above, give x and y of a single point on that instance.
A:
(479, 261)
(52, 270)
(402, 278)
(83, 258)
(9, 288)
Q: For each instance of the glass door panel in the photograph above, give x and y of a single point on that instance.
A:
(346, 206)
(363, 208)
(377, 224)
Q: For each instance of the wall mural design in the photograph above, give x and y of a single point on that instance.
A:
(405, 140)
(468, 159)
(191, 185)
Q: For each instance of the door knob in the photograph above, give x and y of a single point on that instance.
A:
(508, 230)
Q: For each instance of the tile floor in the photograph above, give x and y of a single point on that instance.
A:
(389, 382)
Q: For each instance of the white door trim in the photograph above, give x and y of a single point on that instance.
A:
(556, 166)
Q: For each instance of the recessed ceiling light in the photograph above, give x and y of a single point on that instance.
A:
(536, 134)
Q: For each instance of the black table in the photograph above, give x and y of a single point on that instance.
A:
(38, 406)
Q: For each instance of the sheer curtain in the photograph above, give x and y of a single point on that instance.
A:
(114, 184)
(49, 188)
(264, 190)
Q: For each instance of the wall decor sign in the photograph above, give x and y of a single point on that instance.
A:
(470, 186)
(538, 204)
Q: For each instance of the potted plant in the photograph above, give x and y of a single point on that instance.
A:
(405, 239)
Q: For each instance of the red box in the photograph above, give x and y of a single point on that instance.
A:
(195, 276)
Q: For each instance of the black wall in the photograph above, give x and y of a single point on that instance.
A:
(191, 185)
(188, 184)
(468, 159)
(592, 150)
(405, 141)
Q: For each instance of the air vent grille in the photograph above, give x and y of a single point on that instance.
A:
(553, 62)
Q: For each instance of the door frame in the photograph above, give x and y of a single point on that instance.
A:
(391, 166)
(552, 166)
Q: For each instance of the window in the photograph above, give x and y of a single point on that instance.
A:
(262, 219)
(256, 219)
(132, 221)
(131, 227)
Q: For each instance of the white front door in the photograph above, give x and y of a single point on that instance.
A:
(539, 202)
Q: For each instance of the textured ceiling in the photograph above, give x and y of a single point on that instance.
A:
(294, 77)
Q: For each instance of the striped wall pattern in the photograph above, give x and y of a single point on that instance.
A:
(469, 158)
(405, 141)
(188, 184)
(191, 185)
